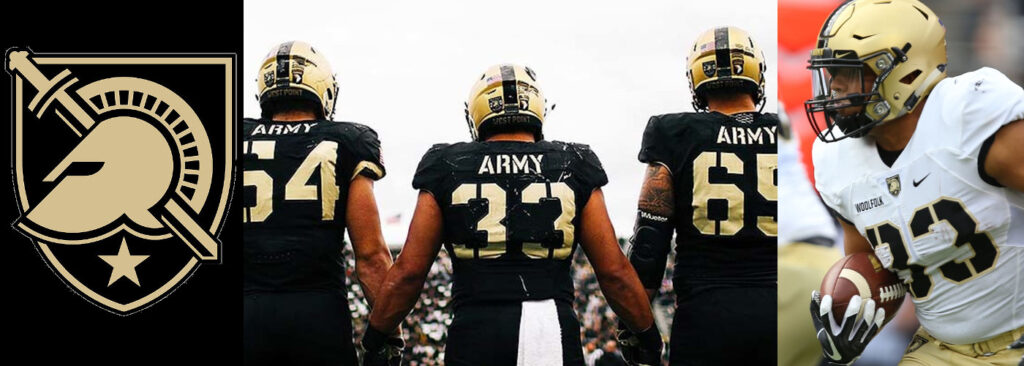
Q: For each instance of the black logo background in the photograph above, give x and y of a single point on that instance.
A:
(201, 322)
(709, 68)
(48, 141)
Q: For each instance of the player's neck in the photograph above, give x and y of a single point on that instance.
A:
(739, 103)
(293, 115)
(895, 135)
(513, 136)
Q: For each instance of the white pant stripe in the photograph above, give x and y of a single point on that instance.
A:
(540, 335)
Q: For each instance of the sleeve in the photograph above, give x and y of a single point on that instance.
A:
(366, 154)
(822, 156)
(431, 170)
(840, 217)
(653, 147)
(248, 125)
(986, 100)
(588, 167)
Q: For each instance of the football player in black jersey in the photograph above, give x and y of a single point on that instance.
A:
(711, 180)
(510, 209)
(307, 179)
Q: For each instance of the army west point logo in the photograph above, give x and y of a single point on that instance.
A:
(122, 167)
(893, 183)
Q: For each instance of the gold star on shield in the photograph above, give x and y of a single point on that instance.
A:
(123, 264)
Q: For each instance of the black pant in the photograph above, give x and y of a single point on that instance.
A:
(488, 334)
(299, 328)
(725, 326)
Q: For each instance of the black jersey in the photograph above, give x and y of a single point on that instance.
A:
(724, 172)
(510, 214)
(296, 178)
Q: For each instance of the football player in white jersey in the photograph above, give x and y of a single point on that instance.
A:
(926, 171)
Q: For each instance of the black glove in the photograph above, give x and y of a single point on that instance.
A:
(1018, 344)
(379, 349)
(843, 343)
(642, 348)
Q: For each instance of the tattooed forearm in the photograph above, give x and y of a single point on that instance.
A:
(656, 195)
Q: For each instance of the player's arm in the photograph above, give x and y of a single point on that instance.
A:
(371, 252)
(652, 234)
(1003, 159)
(617, 278)
(621, 287)
(402, 284)
(853, 241)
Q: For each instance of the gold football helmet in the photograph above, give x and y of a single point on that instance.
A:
(295, 70)
(901, 42)
(725, 57)
(506, 94)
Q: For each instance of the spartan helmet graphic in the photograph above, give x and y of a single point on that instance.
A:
(108, 178)
(894, 184)
(122, 173)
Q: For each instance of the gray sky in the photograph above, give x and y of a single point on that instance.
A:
(405, 69)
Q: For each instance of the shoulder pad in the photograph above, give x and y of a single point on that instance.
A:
(977, 104)
(587, 165)
(654, 147)
(768, 117)
(431, 168)
(823, 157)
(360, 144)
(666, 118)
(836, 165)
(248, 124)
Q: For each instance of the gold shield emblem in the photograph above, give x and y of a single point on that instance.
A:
(894, 185)
(122, 168)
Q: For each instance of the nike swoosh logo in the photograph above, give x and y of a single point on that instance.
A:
(842, 54)
(918, 182)
(833, 353)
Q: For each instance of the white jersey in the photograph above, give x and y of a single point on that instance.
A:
(953, 235)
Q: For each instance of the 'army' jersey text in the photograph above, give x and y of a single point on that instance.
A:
(510, 214)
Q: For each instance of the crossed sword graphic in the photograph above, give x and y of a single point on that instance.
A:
(174, 215)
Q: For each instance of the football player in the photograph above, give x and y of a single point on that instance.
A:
(924, 170)
(511, 209)
(711, 181)
(307, 179)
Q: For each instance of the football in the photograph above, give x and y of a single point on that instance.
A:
(862, 274)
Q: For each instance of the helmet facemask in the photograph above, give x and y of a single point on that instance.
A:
(902, 43)
(861, 106)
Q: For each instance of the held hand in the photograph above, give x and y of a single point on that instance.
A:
(843, 343)
(642, 348)
(379, 349)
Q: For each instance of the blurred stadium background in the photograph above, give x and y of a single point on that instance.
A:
(979, 33)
